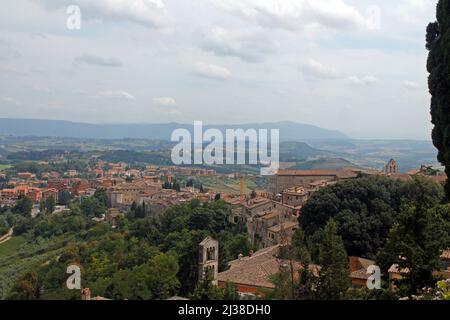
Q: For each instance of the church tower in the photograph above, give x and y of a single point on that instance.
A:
(208, 263)
(391, 167)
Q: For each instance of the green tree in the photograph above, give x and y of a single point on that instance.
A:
(64, 197)
(23, 206)
(176, 186)
(154, 280)
(284, 286)
(162, 278)
(22, 225)
(416, 243)
(206, 290)
(92, 207)
(438, 65)
(28, 287)
(365, 209)
(334, 275)
(299, 247)
(48, 205)
(101, 196)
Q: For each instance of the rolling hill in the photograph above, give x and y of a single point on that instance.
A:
(289, 131)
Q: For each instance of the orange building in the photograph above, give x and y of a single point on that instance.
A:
(47, 193)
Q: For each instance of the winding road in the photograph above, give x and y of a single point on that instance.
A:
(7, 236)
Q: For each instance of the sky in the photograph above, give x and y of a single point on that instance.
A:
(358, 66)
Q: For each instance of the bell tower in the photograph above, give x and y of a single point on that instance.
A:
(208, 264)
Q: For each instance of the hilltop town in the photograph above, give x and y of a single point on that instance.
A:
(266, 218)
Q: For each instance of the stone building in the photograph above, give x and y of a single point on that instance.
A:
(127, 193)
(208, 259)
(281, 233)
(295, 196)
(391, 167)
(286, 179)
(272, 227)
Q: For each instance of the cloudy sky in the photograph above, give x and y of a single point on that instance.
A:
(353, 65)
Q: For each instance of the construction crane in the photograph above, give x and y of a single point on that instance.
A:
(242, 188)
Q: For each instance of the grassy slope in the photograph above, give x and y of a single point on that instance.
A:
(18, 256)
(4, 167)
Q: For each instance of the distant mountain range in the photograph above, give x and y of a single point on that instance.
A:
(289, 131)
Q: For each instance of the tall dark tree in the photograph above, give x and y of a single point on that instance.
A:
(101, 195)
(64, 197)
(334, 279)
(48, 205)
(438, 43)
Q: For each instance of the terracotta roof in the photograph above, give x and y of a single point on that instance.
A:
(284, 226)
(400, 177)
(366, 263)
(298, 190)
(256, 202)
(395, 268)
(359, 266)
(271, 215)
(255, 270)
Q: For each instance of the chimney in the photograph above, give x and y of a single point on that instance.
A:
(250, 254)
(86, 294)
(240, 256)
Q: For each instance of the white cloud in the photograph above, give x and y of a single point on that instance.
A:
(411, 85)
(295, 14)
(413, 11)
(12, 71)
(7, 51)
(165, 101)
(121, 95)
(315, 69)
(98, 61)
(250, 46)
(79, 91)
(9, 100)
(41, 89)
(362, 80)
(212, 71)
(277, 35)
(149, 13)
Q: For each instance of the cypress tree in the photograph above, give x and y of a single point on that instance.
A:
(334, 279)
(438, 65)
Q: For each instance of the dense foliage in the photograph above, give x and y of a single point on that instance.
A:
(438, 42)
(365, 209)
(142, 258)
(415, 243)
